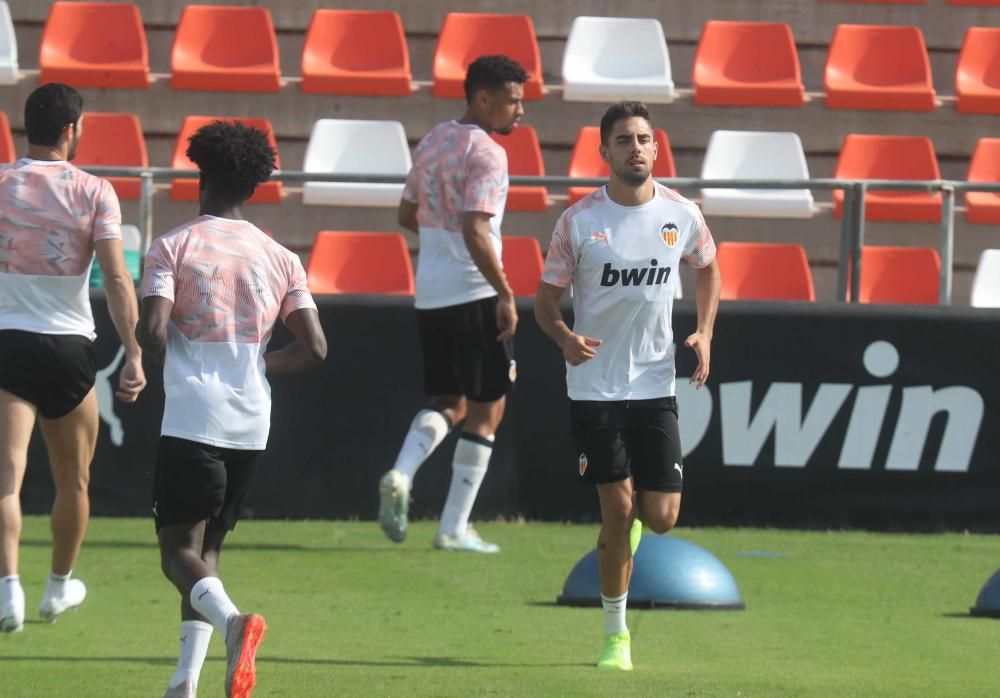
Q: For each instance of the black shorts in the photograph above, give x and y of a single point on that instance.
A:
(54, 372)
(197, 482)
(461, 353)
(638, 438)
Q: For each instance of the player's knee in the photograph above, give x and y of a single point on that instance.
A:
(662, 520)
(71, 480)
(618, 515)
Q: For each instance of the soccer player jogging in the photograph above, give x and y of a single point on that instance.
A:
(55, 217)
(454, 197)
(620, 248)
(212, 292)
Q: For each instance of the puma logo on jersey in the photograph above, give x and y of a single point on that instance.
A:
(603, 237)
(679, 468)
(636, 276)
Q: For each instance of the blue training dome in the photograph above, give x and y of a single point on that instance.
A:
(668, 573)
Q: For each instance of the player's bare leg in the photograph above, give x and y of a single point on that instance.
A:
(17, 418)
(428, 429)
(614, 561)
(658, 510)
(182, 548)
(195, 629)
(70, 442)
(472, 456)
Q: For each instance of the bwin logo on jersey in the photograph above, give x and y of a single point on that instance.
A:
(636, 276)
(670, 234)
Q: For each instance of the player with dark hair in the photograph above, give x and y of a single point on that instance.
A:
(454, 198)
(53, 219)
(212, 292)
(620, 248)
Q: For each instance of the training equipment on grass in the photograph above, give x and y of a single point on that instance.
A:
(668, 573)
(988, 601)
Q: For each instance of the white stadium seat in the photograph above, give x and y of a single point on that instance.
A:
(608, 59)
(131, 238)
(356, 147)
(986, 284)
(756, 155)
(8, 47)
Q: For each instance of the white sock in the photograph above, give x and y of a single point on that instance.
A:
(427, 431)
(55, 585)
(195, 637)
(614, 613)
(468, 468)
(209, 598)
(11, 590)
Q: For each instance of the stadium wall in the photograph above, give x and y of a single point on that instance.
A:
(817, 416)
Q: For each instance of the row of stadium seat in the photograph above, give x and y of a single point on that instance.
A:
(379, 263)
(380, 148)
(372, 262)
(223, 48)
(368, 262)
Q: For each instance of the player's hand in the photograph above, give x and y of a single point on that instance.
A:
(506, 318)
(702, 345)
(131, 380)
(576, 349)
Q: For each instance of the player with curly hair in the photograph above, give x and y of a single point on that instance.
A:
(212, 292)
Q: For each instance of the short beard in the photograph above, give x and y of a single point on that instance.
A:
(634, 180)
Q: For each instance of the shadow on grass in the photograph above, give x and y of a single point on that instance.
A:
(968, 616)
(251, 547)
(398, 662)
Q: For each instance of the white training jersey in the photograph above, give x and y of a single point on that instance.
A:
(229, 283)
(456, 168)
(622, 263)
(51, 214)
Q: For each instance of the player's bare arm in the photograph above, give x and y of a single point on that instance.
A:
(124, 312)
(476, 231)
(708, 283)
(308, 349)
(151, 332)
(576, 348)
(406, 216)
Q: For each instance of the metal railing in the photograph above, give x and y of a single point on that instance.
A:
(852, 225)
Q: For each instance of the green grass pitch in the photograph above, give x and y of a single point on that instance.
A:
(350, 614)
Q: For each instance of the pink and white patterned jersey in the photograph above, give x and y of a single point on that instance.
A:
(456, 168)
(51, 214)
(622, 263)
(229, 283)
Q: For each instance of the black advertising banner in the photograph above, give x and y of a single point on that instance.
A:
(815, 415)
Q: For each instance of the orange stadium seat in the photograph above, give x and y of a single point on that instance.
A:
(94, 44)
(977, 79)
(880, 2)
(113, 140)
(747, 63)
(225, 49)
(765, 271)
(984, 206)
(7, 151)
(356, 52)
(585, 161)
(878, 67)
(187, 189)
(355, 262)
(910, 275)
(524, 157)
(890, 157)
(465, 36)
(522, 263)
(982, 3)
